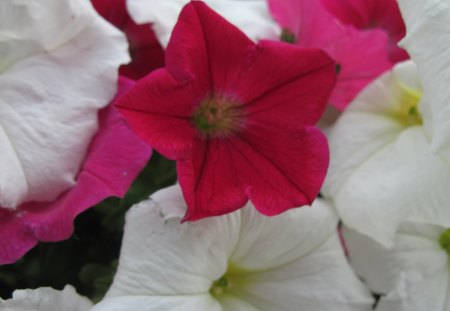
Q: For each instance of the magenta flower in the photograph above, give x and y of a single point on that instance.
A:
(361, 56)
(146, 52)
(237, 116)
(370, 14)
(115, 157)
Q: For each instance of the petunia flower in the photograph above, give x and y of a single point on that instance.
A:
(427, 43)
(146, 52)
(361, 56)
(413, 275)
(60, 67)
(382, 169)
(250, 16)
(114, 158)
(237, 117)
(371, 14)
(240, 261)
(46, 299)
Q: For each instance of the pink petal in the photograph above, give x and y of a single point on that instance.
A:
(315, 27)
(370, 14)
(115, 158)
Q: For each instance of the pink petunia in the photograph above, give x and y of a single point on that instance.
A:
(371, 14)
(361, 56)
(115, 157)
(146, 52)
(237, 116)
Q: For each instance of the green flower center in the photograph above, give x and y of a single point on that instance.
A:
(218, 117)
(444, 241)
(287, 36)
(220, 286)
(410, 113)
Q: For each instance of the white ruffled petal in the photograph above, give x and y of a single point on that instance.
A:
(250, 16)
(412, 275)
(161, 256)
(50, 97)
(160, 303)
(382, 169)
(46, 299)
(301, 230)
(319, 280)
(427, 42)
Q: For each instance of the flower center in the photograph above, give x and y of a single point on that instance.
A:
(444, 241)
(220, 286)
(218, 117)
(287, 36)
(410, 114)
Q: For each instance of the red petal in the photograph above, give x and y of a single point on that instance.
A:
(282, 169)
(206, 46)
(287, 86)
(159, 110)
(210, 182)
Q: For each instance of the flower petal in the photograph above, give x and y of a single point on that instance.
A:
(49, 122)
(46, 299)
(413, 274)
(250, 16)
(277, 180)
(160, 256)
(114, 159)
(158, 109)
(162, 303)
(293, 88)
(301, 231)
(426, 41)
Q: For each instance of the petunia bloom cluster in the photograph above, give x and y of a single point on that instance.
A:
(310, 140)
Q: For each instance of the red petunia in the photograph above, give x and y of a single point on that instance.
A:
(237, 116)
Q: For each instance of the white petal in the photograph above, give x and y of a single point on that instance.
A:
(251, 16)
(159, 303)
(320, 280)
(160, 256)
(46, 299)
(402, 181)
(49, 101)
(301, 230)
(427, 42)
(413, 274)
(382, 171)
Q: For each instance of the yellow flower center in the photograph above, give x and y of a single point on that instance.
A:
(444, 241)
(409, 112)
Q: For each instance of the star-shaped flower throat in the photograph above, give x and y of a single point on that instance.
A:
(237, 116)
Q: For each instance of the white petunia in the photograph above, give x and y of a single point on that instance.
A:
(411, 276)
(382, 168)
(250, 16)
(427, 41)
(240, 261)
(58, 67)
(46, 299)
